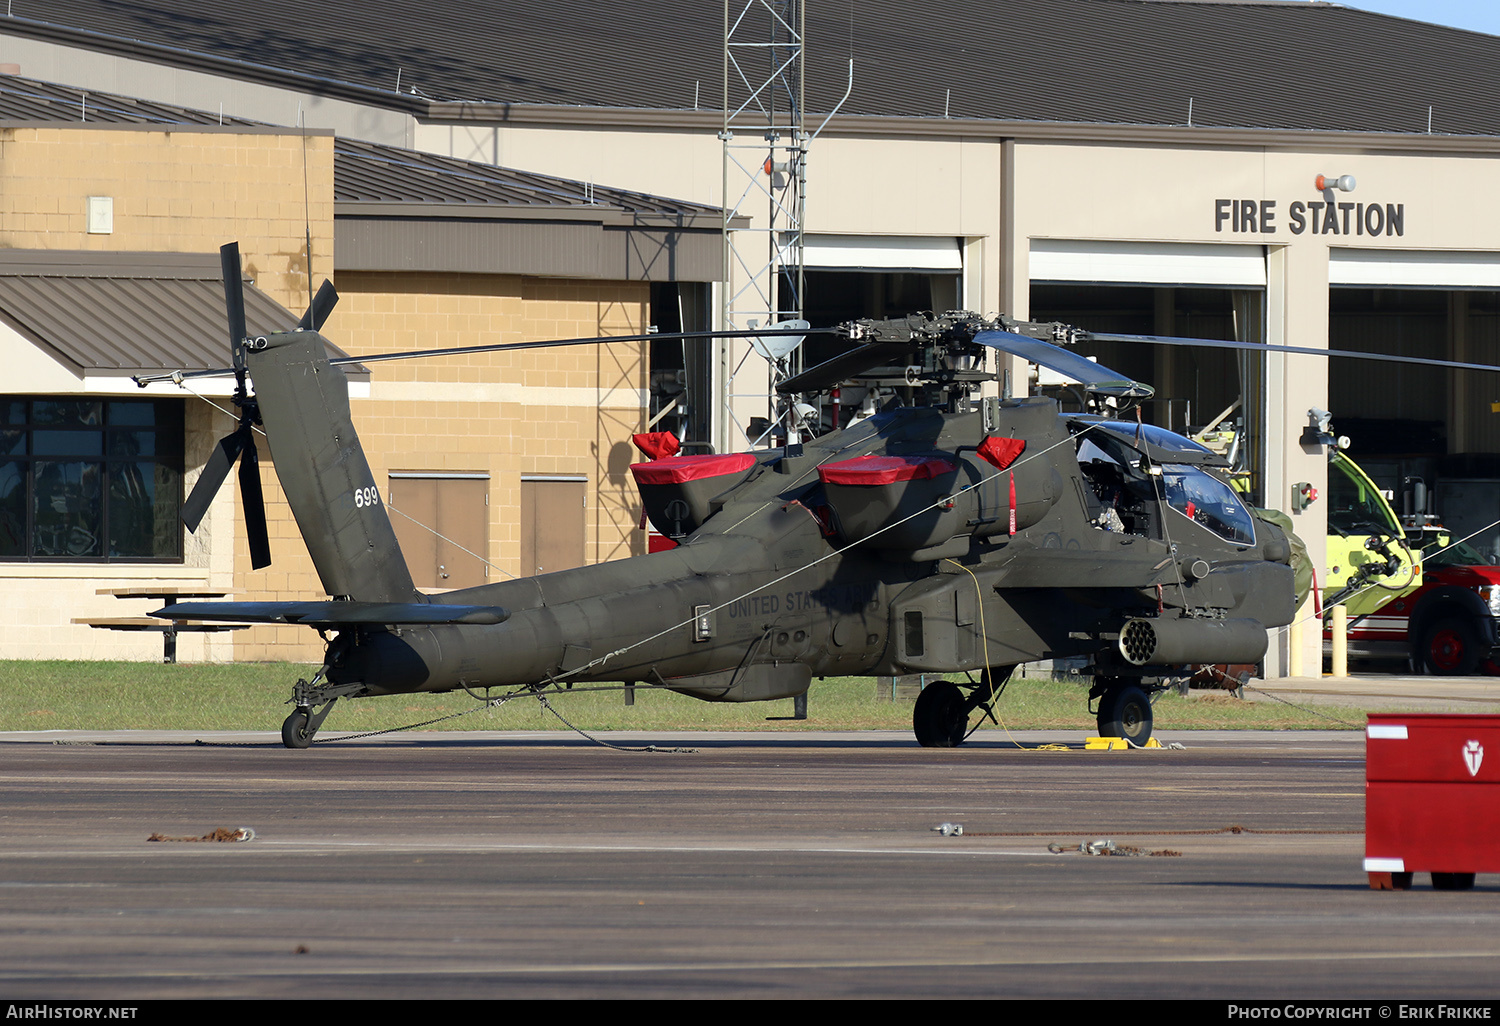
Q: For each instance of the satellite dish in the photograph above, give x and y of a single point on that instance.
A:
(774, 347)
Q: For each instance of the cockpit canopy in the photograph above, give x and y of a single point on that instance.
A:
(1122, 460)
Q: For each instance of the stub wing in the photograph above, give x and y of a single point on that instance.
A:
(1059, 568)
(334, 614)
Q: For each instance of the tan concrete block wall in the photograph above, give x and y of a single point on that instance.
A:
(183, 191)
(39, 602)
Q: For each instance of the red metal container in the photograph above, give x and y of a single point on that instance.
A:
(1432, 799)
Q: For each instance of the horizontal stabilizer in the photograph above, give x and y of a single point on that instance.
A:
(334, 614)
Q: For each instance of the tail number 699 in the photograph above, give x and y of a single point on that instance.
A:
(366, 497)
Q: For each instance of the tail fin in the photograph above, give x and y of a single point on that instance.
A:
(304, 405)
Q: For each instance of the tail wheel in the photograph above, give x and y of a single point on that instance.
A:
(941, 715)
(1451, 647)
(1125, 712)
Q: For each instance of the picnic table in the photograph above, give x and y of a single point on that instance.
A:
(169, 629)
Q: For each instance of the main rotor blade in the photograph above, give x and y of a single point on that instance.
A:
(214, 472)
(322, 305)
(1091, 375)
(501, 347)
(234, 302)
(593, 340)
(1218, 343)
(847, 365)
(255, 504)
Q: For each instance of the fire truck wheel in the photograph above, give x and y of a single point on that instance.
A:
(1451, 648)
(1452, 881)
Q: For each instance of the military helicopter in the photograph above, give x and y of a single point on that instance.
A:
(943, 534)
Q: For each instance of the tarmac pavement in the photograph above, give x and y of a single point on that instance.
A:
(725, 864)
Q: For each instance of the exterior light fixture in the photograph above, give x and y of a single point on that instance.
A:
(1319, 428)
(776, 170)
(1327, 183)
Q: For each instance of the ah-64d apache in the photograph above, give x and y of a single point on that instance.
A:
(944, 534)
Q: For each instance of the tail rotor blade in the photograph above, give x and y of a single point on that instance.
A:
(214, 472)
(254, 506)
(239, 445)
(322, 305)
(234, 300)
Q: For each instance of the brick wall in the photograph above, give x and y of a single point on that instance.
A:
(180, 191)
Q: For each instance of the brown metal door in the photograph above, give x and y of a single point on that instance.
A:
(553, 526)
(442, 523)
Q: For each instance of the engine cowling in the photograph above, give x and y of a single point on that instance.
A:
(919, 501)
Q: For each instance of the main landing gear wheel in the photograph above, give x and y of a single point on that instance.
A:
(295, 731)
(1451, 648)
(941, 716)
(1125, 712)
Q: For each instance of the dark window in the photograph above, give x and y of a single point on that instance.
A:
(914, 633)
(90, 479)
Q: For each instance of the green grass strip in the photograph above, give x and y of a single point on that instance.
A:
(64, 695)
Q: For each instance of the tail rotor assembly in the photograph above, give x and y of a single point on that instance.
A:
(240, 444)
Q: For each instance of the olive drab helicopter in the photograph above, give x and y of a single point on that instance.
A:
(944, 534)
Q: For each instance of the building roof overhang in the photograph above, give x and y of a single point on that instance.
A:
(117, 314)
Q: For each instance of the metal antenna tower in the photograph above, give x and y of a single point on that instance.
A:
(765, 184)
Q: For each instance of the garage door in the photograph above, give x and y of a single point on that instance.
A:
(1380, 268)
(1057, 261)
(881, 253)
